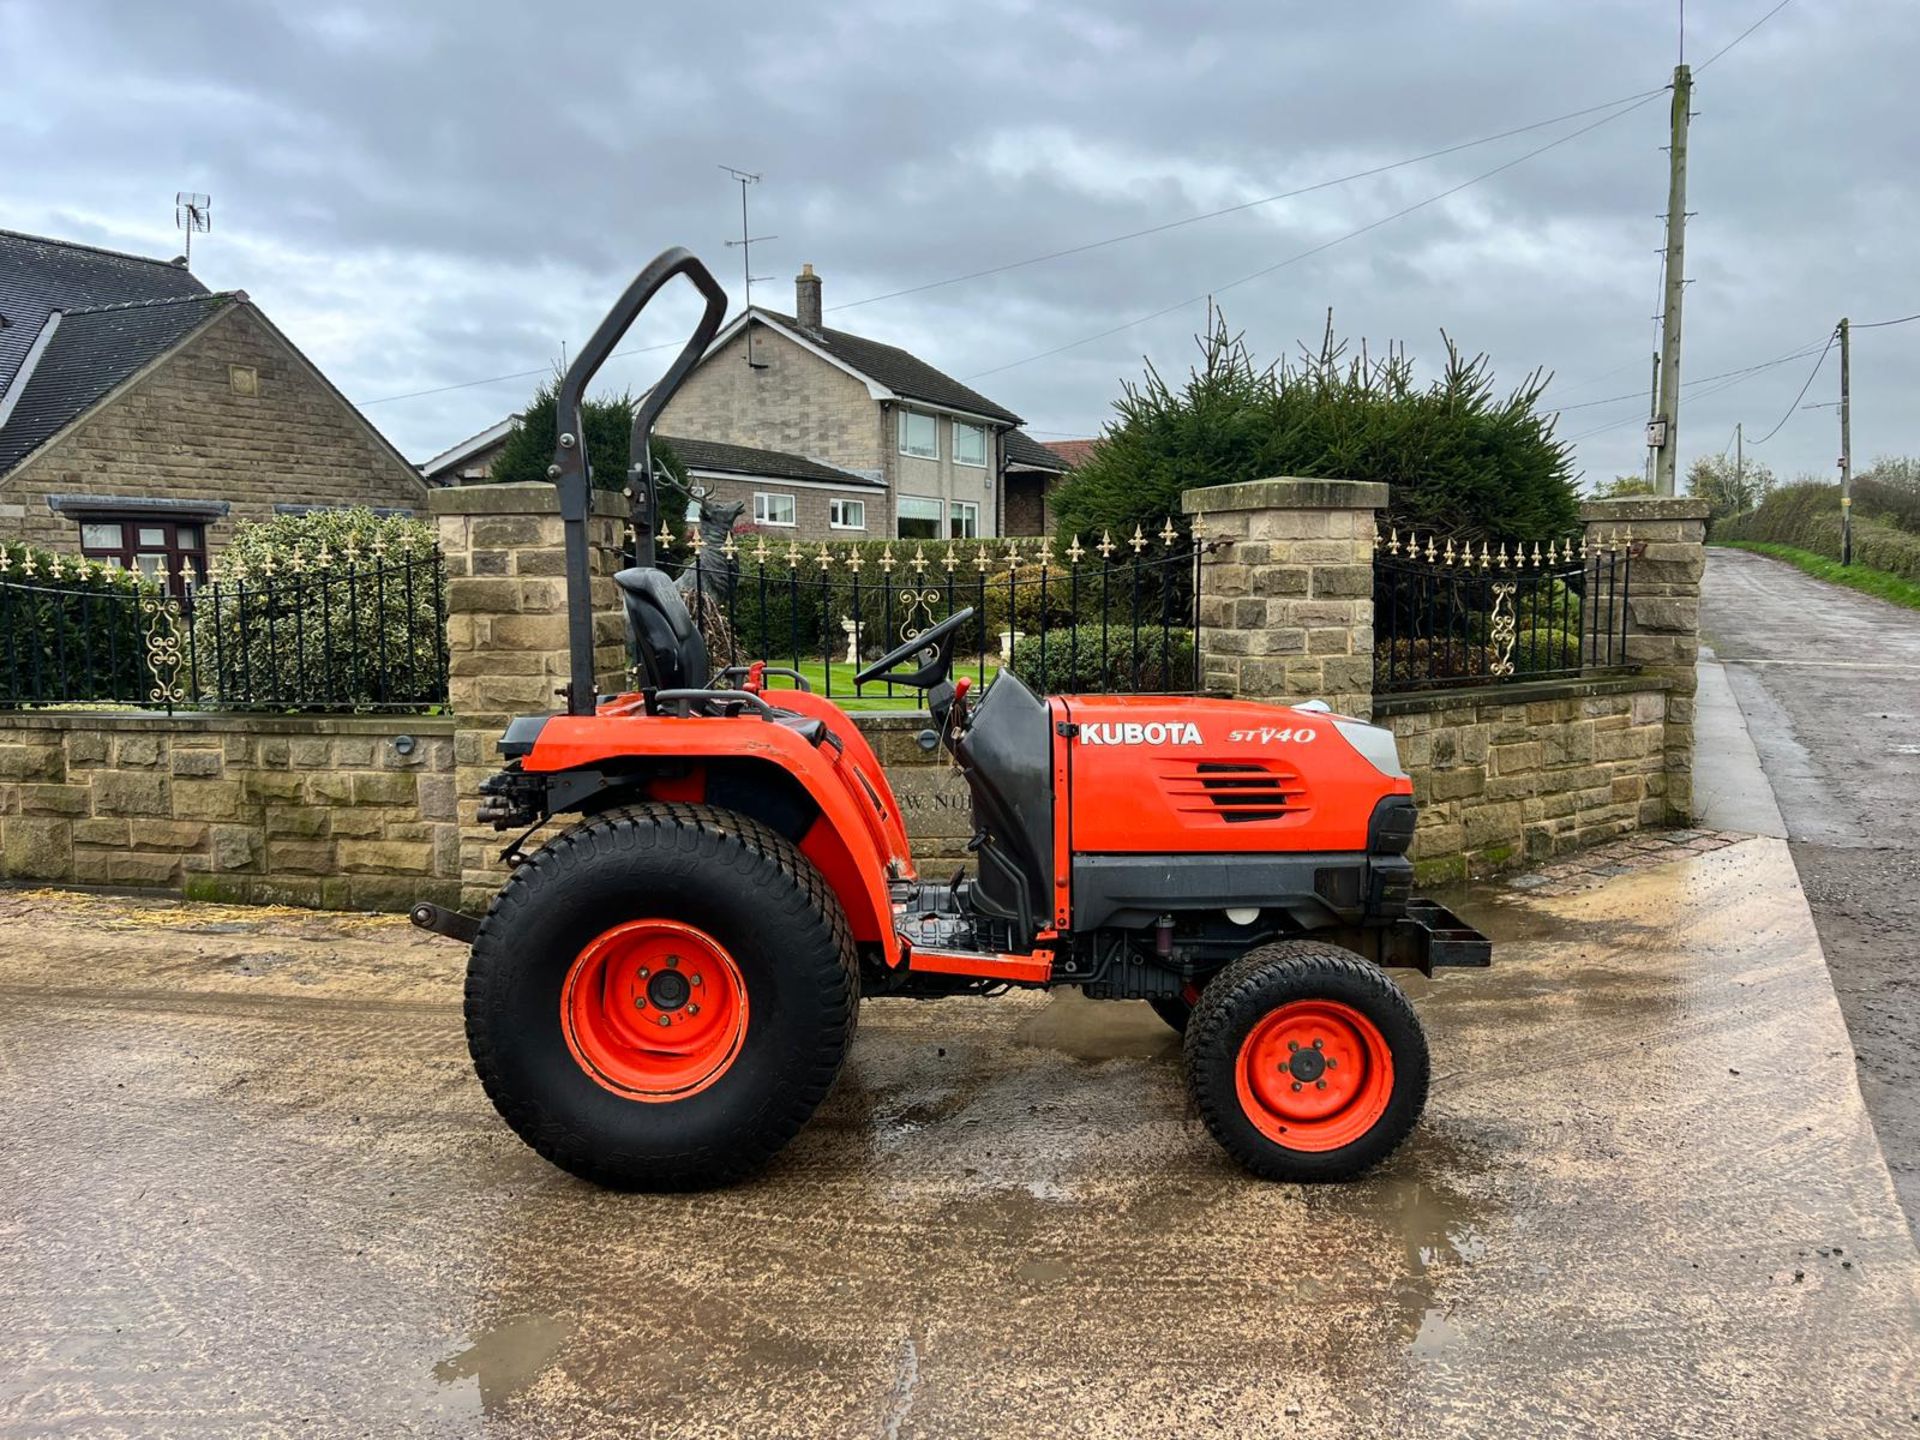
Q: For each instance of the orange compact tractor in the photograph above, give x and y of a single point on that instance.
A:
(663, 992)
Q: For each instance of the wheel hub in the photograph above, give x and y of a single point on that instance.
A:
(1314, 1075)
(654, 1009)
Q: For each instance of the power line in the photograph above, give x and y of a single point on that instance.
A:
(1081, 249)
(1745, 33)
(1803, 389)
(1323, 246)
(1878, 324)
(1702, 380)
(1723, 381)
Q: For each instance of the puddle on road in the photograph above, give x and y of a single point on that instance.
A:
(506, 1358)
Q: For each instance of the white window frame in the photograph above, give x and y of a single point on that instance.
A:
(933, 426)
(929, 501)
(761, 510)
(986, 447)
(967, 511)
(837, 509)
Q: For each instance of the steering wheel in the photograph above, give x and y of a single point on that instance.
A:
(939, 639)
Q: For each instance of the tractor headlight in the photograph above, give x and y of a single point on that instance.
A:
(1375, 742)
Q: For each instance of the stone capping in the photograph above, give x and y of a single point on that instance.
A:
(1286, 492)
(244, 722)
(1643, 507)
(518, 498)
(1521, 693)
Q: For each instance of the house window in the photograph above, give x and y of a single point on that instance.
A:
(919, 435)
(847, 514)
(969, 444)
(963, 520)
(149, 546)
(917, 519)
(772, 509)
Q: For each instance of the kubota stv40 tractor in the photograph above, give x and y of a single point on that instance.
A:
(663, 992)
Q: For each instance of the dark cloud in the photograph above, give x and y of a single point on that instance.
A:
(426, 195)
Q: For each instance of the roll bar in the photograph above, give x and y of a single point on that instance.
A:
(570, 472)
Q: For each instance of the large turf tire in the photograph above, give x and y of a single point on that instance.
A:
(1307, 988)
(728, 876)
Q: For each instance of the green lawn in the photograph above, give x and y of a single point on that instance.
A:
(1855, 577)
(874, 697)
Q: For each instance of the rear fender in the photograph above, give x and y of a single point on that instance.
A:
(850, 841)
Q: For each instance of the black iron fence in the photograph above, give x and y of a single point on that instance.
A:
(1069, 615)
(310, 633)
(1448, 613)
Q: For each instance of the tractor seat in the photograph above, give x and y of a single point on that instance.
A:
(672, 653)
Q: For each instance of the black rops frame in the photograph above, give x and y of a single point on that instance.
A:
(570, 472)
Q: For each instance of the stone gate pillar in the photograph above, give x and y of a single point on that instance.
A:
(507, 633)
(1286, 589)
(1665, 541)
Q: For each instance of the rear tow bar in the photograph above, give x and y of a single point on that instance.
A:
(1431, 937)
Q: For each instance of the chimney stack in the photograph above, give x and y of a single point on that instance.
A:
(806, 299)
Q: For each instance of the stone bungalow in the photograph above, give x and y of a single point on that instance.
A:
(141, 415)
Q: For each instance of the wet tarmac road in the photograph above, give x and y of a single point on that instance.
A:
(1829, 684)
(250, 1188)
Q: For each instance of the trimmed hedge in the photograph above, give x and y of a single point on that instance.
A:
(1807, 517)
(72, 631)
(1076, 661)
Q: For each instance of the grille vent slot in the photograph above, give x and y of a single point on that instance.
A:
(1241, 793)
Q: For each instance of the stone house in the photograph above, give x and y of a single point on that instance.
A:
(860, 430)
(142, 415)
(471, 461)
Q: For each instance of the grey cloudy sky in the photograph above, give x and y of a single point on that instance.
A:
(424, 195)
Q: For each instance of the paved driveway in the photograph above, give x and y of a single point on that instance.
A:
(249, 1187)
(1829, 683)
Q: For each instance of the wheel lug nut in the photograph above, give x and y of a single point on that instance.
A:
(694, 979)
(1293, 1044)
(1296, 1084)
(673, 962)
(644, 972)
(1319, 1084)
(693, 1009)
(666, 1019)
(1333, 1064)
(1316, 1044)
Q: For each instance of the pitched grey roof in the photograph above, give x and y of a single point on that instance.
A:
(904, 374)
(1026, 453)
(774, 464)
(92, 350)
(39, 276)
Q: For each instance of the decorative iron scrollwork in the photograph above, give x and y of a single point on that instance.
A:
(160, 620)
(918, 605)
(1501, 629)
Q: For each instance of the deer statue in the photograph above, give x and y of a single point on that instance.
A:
(709, 579)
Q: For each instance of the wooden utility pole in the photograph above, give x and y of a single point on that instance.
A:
(1667, 422)
(1846, 444)
(1739, 457)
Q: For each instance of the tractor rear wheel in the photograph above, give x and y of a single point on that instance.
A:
(1307, 1063)
(661, 997)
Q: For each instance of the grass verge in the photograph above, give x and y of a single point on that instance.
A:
(1877, 583)
(869, 698)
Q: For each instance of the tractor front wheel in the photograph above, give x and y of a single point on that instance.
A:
(661, 997)
(1306, 1062)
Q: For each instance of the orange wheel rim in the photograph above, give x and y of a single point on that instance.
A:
(654, 1010)
(1314, 1075)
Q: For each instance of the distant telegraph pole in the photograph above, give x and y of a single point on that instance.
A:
(1846, 442)
(1664, 432)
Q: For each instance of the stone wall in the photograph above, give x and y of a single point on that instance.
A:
(347, 812)
(1519, 773)
(933, 797)
(185, 431)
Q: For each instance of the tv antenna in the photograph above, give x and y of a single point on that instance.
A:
(192, 213)
(745, 246)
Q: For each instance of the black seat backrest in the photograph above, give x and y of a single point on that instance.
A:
(672, 655)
